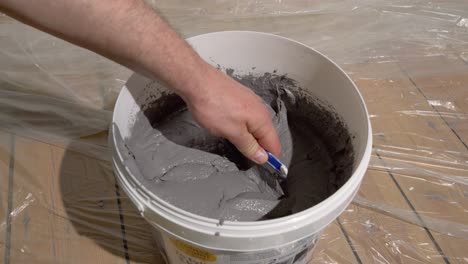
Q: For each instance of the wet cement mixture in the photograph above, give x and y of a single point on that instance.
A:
(183, 164)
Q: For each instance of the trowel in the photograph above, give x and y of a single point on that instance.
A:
(280, 169)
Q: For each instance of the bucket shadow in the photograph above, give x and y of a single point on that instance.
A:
(98, 209)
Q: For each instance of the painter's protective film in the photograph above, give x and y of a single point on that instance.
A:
(59, 202)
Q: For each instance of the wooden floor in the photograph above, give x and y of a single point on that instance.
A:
(60, 206)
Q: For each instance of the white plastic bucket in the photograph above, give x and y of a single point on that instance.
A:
(188, 238)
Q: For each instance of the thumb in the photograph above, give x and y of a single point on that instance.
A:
(249, 147)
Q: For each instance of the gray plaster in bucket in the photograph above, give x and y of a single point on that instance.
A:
(183, 164)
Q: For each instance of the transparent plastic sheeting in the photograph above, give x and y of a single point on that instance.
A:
(408, 58)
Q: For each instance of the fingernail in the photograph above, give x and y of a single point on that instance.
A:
(260, 156)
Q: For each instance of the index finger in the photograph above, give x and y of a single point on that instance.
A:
(266, 135)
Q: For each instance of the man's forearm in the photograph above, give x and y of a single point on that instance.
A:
(132, 34)
(126, 31)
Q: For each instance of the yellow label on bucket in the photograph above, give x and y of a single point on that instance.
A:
(193, 251)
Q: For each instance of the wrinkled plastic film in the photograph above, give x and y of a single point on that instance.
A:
(409, 59)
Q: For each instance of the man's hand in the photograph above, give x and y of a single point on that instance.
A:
(230, 110)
